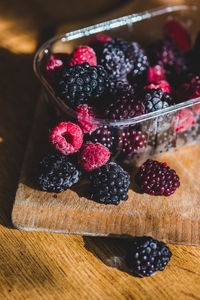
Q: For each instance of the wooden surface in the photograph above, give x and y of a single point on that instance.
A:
(173, 219)
(59, 266)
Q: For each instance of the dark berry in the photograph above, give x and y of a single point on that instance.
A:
(102, 135)
(124, 106)
(113, 59)
(147, 256)
(157, 178)
(166, 54)
(155, 99)
(109, 184)
(131, 142)
(81, 84)
(120, 88)
(56, 173)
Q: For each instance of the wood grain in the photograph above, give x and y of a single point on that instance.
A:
(174, 219)
(59, 266)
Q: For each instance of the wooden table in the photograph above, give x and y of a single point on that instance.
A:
(57, 266)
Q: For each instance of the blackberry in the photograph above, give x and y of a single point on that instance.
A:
(131, 142)
(123, 107)
(140, 62)
(109, 184)
(157, 178)
(102, 135)
(147, 256)
(82, 84)
(166, 54)
(57, 173)
(113, 60)
(156, 99)
(120, 87)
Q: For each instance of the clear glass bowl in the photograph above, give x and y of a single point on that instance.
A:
(157, 127)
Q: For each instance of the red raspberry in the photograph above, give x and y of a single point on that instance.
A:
(83, 54)
(178, 34)
(100, 38)
(163, 85)
(86, 118)
(183, 120)
(155, 73)
(67, 138)
(93, 156)
(54, 66)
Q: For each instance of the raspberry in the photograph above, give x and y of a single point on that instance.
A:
(80, 84)
(103, 135)
(163, 85)
(147, 256)
(123, 107)
(93, 156)
(86, 116)
(131, 142)
(183, 120)
(67, 138)
(98, 40)
(155, 74)
(157, 178)
(57, 173)
(109, 184)
(83, 54)
(167, 55)
(54, 67)
(156, 99)
(178, 34)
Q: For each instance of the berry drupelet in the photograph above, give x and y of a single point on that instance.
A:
(131, 142)
(124, 106)
(155, 99)
(157, 178)
(102, 135)
(109, 184)
(81, 84)
(147, 256)
(57, 173)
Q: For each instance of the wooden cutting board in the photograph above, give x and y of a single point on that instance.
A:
(173, 219)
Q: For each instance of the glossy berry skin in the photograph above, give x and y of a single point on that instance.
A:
(157, 178)
(147, 256)
(155, 99)
(56, 173)
(102, 135)
(81, 84)
(109, 184)
(131, 142)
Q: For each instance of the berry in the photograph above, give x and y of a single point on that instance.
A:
(183, 120)
(189, 89)
(178, 34)
(80, 84)
(139, 61)
(55, 66)
(93, 156)
(156, 178)
(156, 99)
(155, 74)
(113, 59)
(109, 184)
(103, 135)
(147, 256)
(86, 116)
(57, 173)
(121, 88)
(131, 142)
(83, 54)
(99, 40)
(67, 138)
(123, 107)
(167, 55)
(162, 84)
